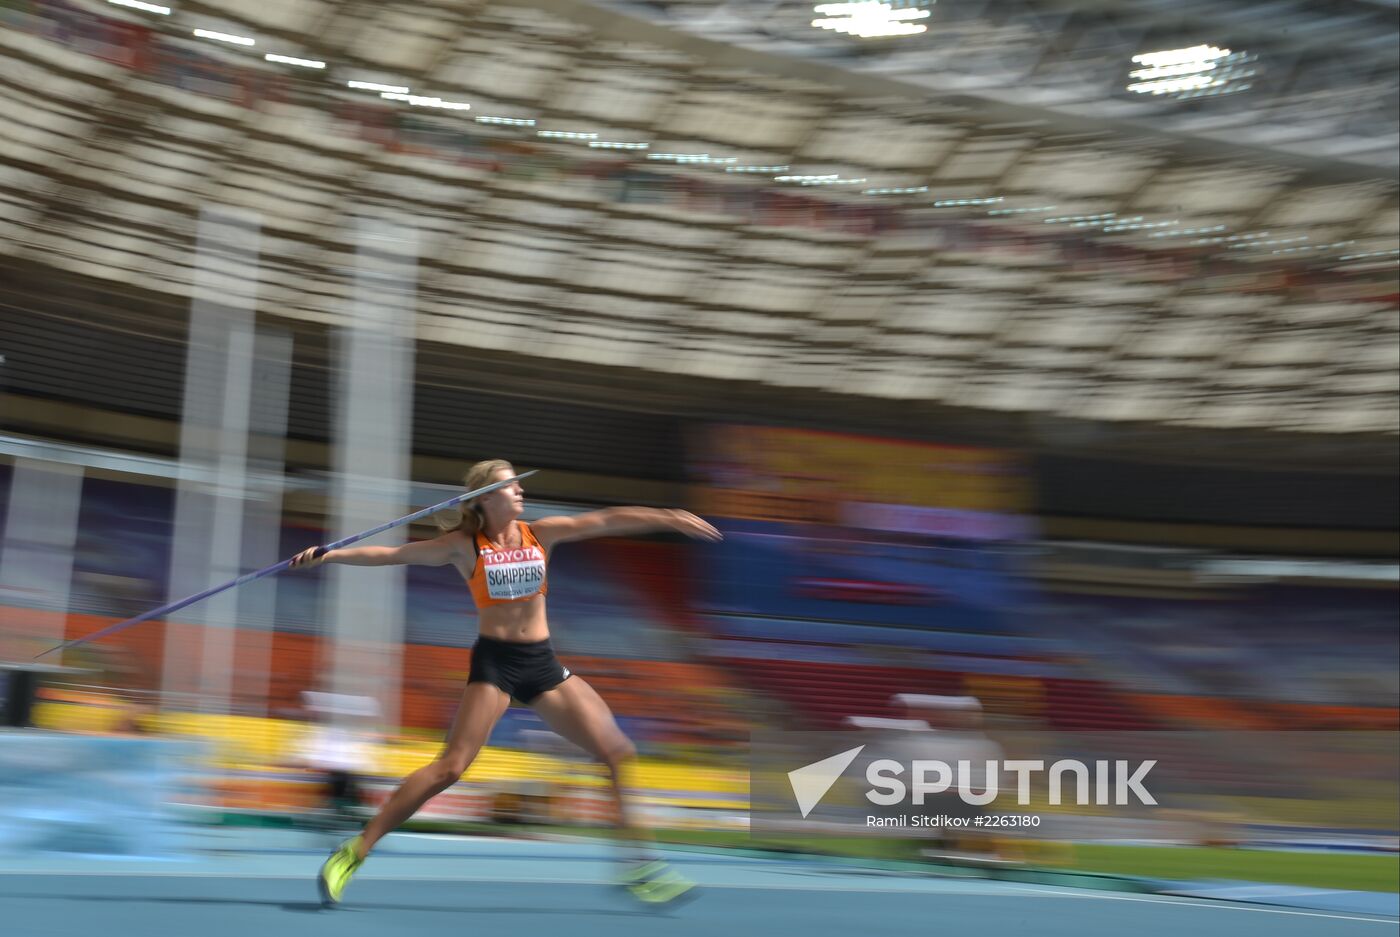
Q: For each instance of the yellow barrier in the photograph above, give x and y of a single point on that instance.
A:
(252, 743)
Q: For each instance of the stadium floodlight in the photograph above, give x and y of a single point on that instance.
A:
(825, 179)
(1196, 71)
(1184, 232)
(905, 190)
(869, 19)
(418, 100)
(1389, 253)
(375, 86)
(1137, 224)
(223, 37)
(144, 7)
(963, 202)
(1021, 211)
(291, 60)
(1078, 218)
(1171, 85)
(1196, 55)
(704, 159)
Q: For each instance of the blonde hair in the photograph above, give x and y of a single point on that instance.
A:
(466, 516)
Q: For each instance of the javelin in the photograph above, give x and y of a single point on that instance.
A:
(279, 567)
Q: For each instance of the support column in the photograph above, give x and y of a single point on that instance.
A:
(36, 558)
(207, 542)
(373, 435)
(262, 520)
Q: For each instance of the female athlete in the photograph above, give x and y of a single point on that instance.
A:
(503, 561)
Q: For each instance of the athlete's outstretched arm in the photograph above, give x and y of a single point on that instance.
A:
(436, 552)
(620, 522)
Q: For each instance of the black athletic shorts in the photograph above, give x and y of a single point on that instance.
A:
(522, 669)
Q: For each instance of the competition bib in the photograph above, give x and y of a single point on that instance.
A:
(513, 574)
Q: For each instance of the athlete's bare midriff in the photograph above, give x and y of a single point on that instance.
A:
(516, 621)
(521, 621)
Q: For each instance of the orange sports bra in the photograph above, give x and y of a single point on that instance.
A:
(512, 575)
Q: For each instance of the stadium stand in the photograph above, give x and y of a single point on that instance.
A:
(1023, 309)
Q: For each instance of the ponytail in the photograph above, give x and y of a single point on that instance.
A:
(466, 516)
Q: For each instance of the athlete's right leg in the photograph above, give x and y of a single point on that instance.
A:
(482, 706)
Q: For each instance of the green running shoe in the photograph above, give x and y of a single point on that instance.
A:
(337, 871)
(656, 883)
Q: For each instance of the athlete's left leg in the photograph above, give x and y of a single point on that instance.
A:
(576, 711)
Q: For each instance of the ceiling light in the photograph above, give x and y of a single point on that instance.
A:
(909, 190)
(375, 86)
(1198, 71)
(418, 100)
(223, 37)
(289, 60)
(869, 19)
(145, 7)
